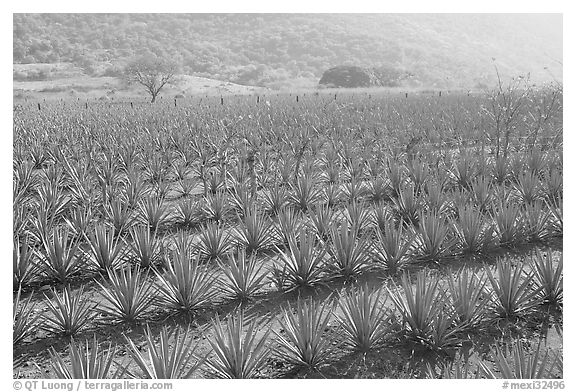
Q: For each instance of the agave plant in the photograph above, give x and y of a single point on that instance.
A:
(186, 187)
(434, 239)
(354, 190)
(243, 277)
(482, 193)
(303, 263)
(129, 294)
(393, 247)
(513, 291)
(153, 212)
(304, 343)
(256, 232)
(146, 248)
(463, 172)
(119, 215)
(289, 223)
(549, 277)
(106, 251)
(134, 189)
(186, 285)
(59, 256)
(407, 205)
(304, 193)
(322, 217)
(274, 199)
(187, 213)
(378, 190)
(216, 207)
(239, 352)
(165, 359)
(331, 195)
(515, 361)
(469, 297)
(214, 242)
(349, 252)
(86, 361)
(358, 215)
(23, 318)
(419, 173)
(69, 314)
(364, 319)
(24, 268)
(510, 227)
(424, 310)
(80, 220)
(528, 188)
(475, 233)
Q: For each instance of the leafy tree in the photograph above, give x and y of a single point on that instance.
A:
(153, 73)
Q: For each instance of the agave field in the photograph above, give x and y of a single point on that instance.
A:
(350, 235)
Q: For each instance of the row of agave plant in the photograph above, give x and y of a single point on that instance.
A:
(63, 229)
(434, 310)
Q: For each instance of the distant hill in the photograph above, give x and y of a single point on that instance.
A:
(440, 50)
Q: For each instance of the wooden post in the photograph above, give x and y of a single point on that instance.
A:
(296, 98)
(334, 96)
(257, 99)
(439, 93)
(86, 105)
(174, 102)
(406, 95)
(131, 105)
(39, 106)
(221, 100)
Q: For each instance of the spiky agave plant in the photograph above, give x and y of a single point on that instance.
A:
(407, 205)
(274, 199)
(86, 361)
(289, 222)
(187, 213)
(469, 297)
(59, 256)
(304, 342)
(153, 212)
(185, 286)
(119, 215)
(214, 242)
(424, 308)
(129, 294)
(515, 361)
(216, 207)
(321, 217)
(304, 193)
(434, 238)
(537, 220)
(349, 251)
(106, 251)
(513, 290)
(474, 232)
(23, 318)
(393, 247)
(548, 277)
(509, 224)
(174, 356)
(256, 232)
(527, 188)
(68, 314)
(25, 268)
(239, 350)
(365, 320)
(145, 247)
(242, 276)
(358, 215)
(303, 262)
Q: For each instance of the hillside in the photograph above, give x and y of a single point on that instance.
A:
(442, 50)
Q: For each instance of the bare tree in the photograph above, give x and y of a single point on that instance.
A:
(150, 72)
